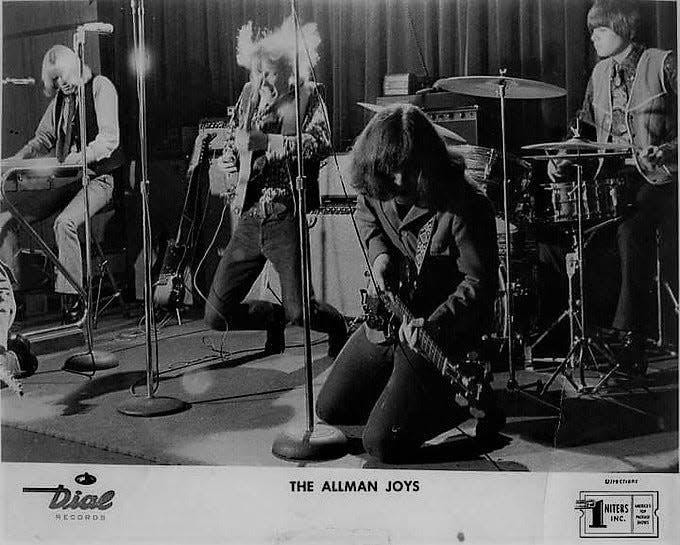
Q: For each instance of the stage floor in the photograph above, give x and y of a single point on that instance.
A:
(239, 402)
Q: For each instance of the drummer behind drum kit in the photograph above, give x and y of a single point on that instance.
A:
(505, 178)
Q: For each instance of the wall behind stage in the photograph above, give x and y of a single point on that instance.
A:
(29, 29)
(193, 71)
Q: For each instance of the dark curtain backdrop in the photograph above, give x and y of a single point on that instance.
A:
(193, 71)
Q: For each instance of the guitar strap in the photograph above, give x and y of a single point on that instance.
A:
(424, 240)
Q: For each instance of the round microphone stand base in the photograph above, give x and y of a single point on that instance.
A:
(90, 361)
(322, 443)
(153, 406)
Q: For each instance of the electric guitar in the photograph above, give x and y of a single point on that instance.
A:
(169, 289)
(469, 378)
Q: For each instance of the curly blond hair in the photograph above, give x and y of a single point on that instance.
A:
(278, 46)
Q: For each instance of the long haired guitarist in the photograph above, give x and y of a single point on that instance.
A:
(631, 99)
(259, 170)
(416, 207)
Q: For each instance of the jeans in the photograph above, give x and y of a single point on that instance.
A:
(657, 208)
(630, 248)
(41, 204)
(7, 306)
(397, 394)
(269, 236)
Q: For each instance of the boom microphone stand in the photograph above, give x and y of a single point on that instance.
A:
(318, 441)
(149, 405)
(88, 361)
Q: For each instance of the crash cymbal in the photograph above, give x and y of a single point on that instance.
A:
(578, 144)
(488, 86)
(442, 131)
(576, 158)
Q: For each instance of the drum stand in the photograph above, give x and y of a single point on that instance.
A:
(582, 346)
(512, 384)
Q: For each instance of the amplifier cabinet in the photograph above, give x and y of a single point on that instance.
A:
(477, 119)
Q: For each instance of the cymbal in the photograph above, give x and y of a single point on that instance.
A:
(442, 131)
(488, 86)
(576, 158)
(579, 144)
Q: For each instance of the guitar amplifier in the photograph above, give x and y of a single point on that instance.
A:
(219, 127)
(462, 121)
(458, 113)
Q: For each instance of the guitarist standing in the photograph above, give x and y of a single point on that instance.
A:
(263, 194)
(415, 207)
(631, 99)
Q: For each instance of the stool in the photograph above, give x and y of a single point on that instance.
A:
(101, 270)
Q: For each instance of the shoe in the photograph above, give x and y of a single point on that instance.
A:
(276, 337)
(28, 363)
(337, 338)
(632, 355)
(72, 309)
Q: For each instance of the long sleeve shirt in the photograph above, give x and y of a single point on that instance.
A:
(104, 144)
(458, 279)
(274, 170)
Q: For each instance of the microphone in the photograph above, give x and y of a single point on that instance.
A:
(18, 81)
(99, 28)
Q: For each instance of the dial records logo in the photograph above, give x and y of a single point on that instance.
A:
(79, 503)
(618, 514)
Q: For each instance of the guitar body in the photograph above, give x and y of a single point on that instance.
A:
(169, 289)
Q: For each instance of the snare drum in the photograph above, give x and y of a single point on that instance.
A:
(601, 200)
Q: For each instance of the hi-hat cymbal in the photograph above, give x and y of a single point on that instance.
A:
(442, 131)
(489, 86)
(579, 144)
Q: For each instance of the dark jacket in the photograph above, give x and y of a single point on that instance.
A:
(459, 277)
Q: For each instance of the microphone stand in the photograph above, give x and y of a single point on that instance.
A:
(89, 361)
(318, 441)
(149, 405)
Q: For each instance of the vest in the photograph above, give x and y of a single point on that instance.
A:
(105, 166)
(651, 110)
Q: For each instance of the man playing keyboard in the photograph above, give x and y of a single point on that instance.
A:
(58, 135)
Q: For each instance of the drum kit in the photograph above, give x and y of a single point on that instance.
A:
(572, 206)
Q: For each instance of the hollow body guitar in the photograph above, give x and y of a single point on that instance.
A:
(169, 290)
(469, 378)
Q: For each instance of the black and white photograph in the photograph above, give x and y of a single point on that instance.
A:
(339, 271)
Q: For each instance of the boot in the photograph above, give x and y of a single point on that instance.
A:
(276, 332)
(28, 363)
(72, 308)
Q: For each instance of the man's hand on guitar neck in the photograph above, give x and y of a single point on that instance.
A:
(383, 270)
(409, 332)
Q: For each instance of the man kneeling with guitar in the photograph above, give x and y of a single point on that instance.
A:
(416, 207)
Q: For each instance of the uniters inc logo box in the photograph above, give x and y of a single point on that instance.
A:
(618, 514)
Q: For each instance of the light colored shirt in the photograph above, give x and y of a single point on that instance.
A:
(104, 144)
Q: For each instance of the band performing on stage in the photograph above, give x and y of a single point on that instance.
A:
(478, 263)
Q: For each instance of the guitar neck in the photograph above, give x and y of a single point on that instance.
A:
(427, 343)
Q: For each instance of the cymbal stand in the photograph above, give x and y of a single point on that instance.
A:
(582, 346)
(512, 380)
